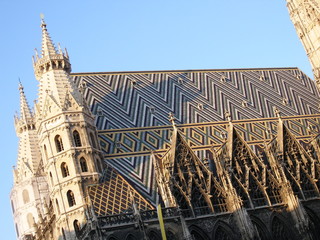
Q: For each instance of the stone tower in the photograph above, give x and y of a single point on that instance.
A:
(305, 15)
(30, 192)
(67, 138)
(59, 153)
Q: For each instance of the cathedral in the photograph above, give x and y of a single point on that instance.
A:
(220, 154)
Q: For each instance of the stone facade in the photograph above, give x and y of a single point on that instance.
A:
(30, 191)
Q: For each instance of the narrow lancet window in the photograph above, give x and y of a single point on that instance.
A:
(58, 207)
(83, 165)
(93, 142)
(45, 151)
(76, 226)
(63, 234)
(76, 138)
(59, 144)
(71, 199)
(30, 220)
(51, 178)
(64, 170)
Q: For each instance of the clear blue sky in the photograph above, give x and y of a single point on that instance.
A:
(111, 35)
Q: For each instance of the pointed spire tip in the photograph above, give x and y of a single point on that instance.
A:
(43, 23)
(20, 85)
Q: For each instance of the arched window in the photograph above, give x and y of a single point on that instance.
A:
(199, 234)
(59, 144)
(315, 227)
(30, 220)
(83, 165)
(131, 237)
(63, 234)
(64, 170)
(280, 230)
(71, 199)
(221, 233)
(76, 138)
(93, 142)
(25, 196)
(76, 226)
(171, 236)
(45, 151)
(263, 230)
(51, 178)
(153, 235)
(58, 208)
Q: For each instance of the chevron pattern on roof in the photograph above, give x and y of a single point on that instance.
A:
(115, 195)
(142, 99)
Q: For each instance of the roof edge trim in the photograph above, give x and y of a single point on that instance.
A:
(185, 71)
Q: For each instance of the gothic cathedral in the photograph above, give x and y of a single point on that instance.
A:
(237, 158)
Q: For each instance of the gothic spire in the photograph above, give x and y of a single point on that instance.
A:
(28, 155)
(48, 48)
(52, 69)
(24, 120)
(25, 112)
(50, 58)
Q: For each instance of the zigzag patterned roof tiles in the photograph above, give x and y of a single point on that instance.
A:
(143, 99)
(115, 196)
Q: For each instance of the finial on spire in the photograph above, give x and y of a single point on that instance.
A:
(59, 49)
(66, 53)
(172, 119)
(20, 86)
(25, 112)
(43, 23)
(227, 116)
(50, 57)
(37, 55)
(276, 111)
(48, 48)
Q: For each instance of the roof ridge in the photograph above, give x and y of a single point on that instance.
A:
(184, 71)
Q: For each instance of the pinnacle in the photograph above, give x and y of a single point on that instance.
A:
(25, 112)
(47, 44)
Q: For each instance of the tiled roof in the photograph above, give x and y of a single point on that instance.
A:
(115, 195)
(122, 100)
